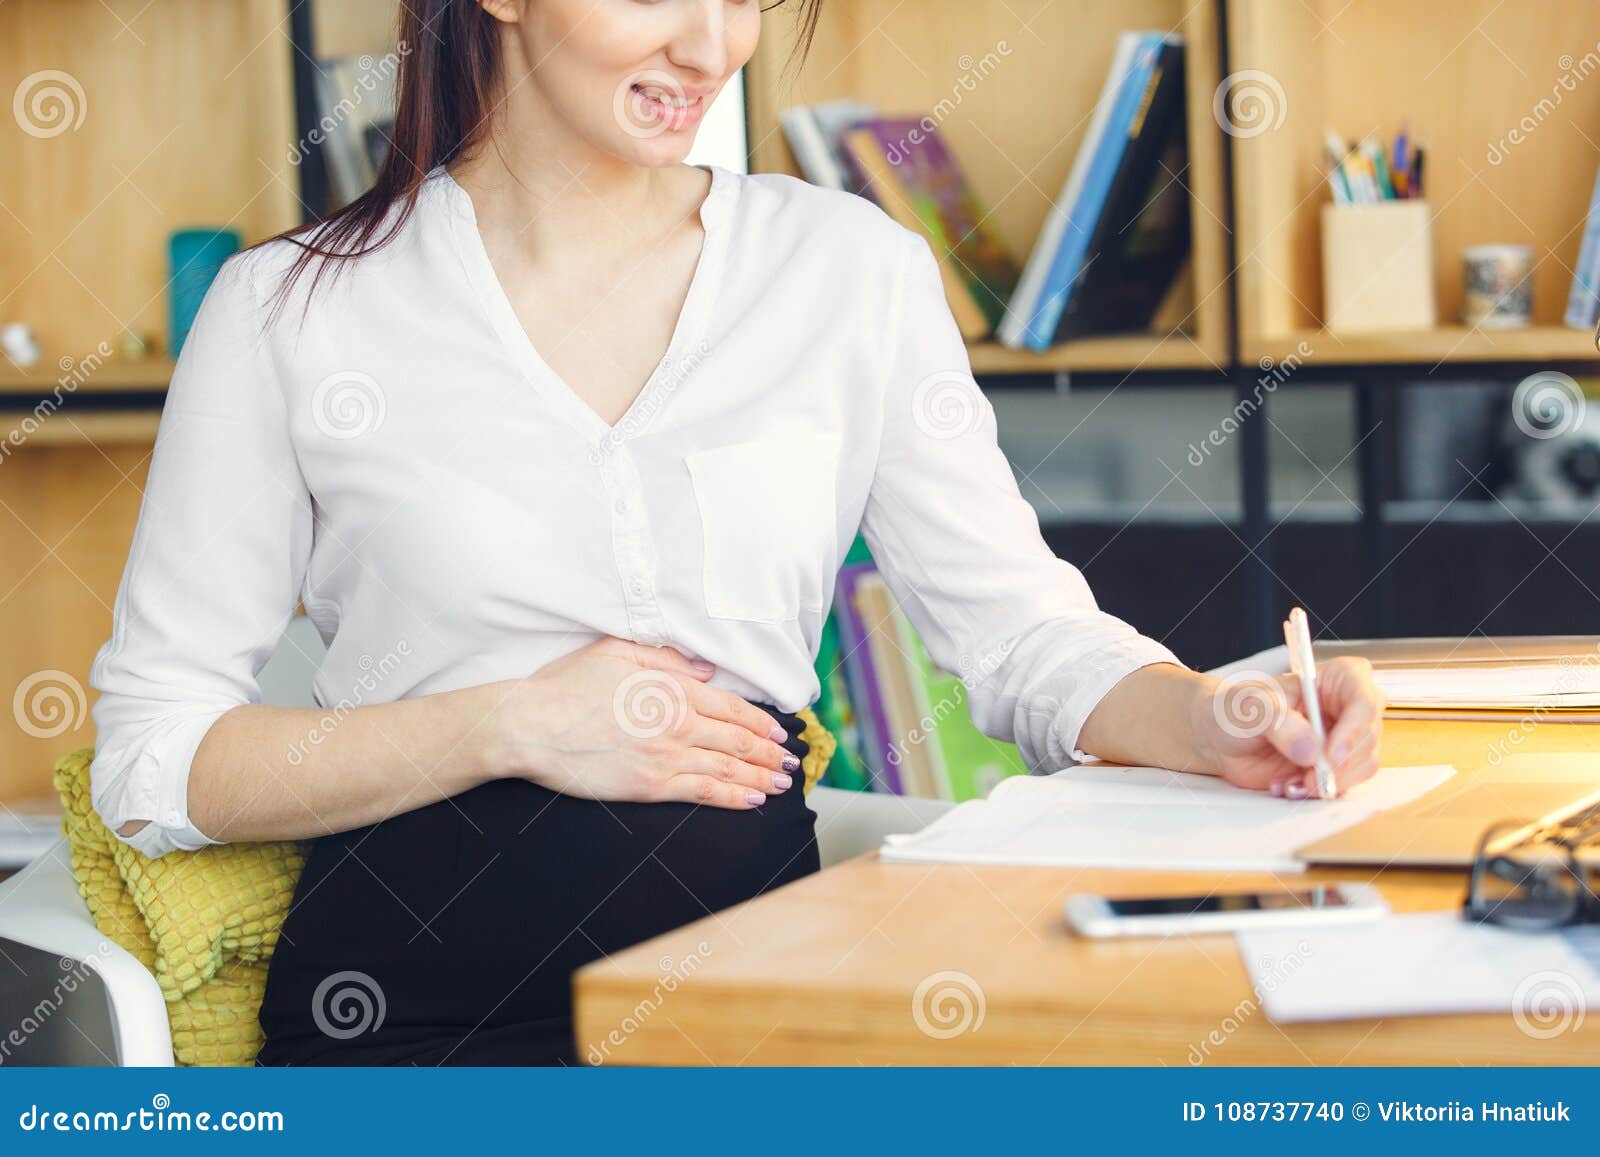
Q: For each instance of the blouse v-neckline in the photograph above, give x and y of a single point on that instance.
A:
(687, 333)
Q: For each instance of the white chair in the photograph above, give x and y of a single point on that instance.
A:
(68, 996)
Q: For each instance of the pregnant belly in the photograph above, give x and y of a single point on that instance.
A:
(563, 881)
(475, 911)
(471, 914)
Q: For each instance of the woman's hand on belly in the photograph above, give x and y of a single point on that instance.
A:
(619, 721)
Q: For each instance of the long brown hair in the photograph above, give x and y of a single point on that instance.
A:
(449, 70)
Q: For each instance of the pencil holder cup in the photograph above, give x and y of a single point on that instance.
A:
(1377, 267)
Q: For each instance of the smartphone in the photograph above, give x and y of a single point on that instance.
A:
(1102, 916)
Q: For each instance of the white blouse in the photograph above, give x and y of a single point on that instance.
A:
(401, 460)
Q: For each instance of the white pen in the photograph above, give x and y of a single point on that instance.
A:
(1297, 641)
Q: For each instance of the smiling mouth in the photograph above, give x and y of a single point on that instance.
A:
(673, 109)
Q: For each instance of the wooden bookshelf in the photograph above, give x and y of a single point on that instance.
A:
(1014, 82)
(187, 120)
(1116, 353)
(1446, 345)
(83, 427)
(1462, 74)
(114, 374)
(171, 93)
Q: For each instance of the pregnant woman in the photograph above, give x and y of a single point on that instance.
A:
(560, 441)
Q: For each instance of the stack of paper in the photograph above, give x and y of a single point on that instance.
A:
(1493, 687)
(1141, 817)
(1556, 676)
(1435, 962)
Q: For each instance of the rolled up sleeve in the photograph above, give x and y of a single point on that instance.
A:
(214, 573)
(962, 551)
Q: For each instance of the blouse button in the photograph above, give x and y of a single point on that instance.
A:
(637, 586)
(620, 506)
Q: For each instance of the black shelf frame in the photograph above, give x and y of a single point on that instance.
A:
(303, 56)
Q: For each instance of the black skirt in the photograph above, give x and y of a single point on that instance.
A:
(449, 934)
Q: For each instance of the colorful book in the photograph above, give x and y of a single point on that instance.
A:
(1020, 310)
(835, 712)
(892, 673)
(1073, 252)
(862, 681)
(1067, 261)
(967, 763)
(1142, 236)
(917, 731)
(816, 138)
(916, 180)
(1583, 301)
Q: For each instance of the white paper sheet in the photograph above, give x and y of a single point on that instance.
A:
(1112, 817)
(1417, 965)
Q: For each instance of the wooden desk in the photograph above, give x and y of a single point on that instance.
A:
(824, 971)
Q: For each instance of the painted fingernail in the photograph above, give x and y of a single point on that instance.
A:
(1296, 791)
(1277, 789)
(702, 667)
(791, 763)
(781, 781)
(754, 798)
(778, 735)
(1339, 752)
(1303, 750)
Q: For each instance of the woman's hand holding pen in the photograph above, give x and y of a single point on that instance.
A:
(624, 722)
(1255, 733)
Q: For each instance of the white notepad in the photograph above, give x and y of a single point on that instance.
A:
(1430, 963)
(1143, 817)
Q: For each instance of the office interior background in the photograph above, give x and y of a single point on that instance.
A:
(1206, 472)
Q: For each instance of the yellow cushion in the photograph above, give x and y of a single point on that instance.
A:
(205, 923)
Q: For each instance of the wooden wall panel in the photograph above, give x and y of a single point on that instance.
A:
(186, 115)
(66, 520)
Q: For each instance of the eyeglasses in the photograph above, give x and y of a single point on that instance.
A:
(1529, 878)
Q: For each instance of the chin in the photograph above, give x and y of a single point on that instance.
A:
(658, 153)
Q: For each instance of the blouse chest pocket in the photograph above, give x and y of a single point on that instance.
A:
(768, 525)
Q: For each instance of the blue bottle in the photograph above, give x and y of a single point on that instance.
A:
(194, 257)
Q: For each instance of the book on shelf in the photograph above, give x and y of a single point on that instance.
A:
(836, 712)
(1142, 236)
(915, 728)
(861, 680)
(1583, 301)
(1118, 235)
(357, 106)
(905, 167)
(816, 138)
